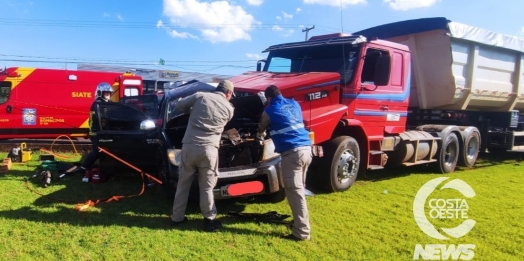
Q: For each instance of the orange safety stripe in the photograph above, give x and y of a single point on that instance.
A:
(24, 73)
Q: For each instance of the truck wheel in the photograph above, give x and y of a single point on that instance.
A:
(449, 153)
(470, 152)
(341, 160)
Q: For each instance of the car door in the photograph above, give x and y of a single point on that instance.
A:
(122, 135)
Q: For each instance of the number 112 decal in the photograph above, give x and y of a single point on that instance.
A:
(316, 95)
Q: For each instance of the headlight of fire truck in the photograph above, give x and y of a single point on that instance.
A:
(174, 156)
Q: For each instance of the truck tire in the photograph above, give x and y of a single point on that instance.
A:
(449, 153)
(341, 162)
(470, 152)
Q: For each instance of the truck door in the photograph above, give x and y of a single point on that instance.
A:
(122, 135)
(383, 105)
(7, 112)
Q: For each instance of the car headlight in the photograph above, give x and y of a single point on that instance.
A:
(174, 156)
(269, 150)
(147, 125)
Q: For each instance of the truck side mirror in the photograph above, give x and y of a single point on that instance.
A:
(382, 70)
(259, 64)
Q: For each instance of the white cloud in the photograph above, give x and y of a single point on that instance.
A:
(286, 15)
(281, 30)
(119, 17)
(336, 3)
(404, 5)
(298, 10)
(183, 35)
(218, 21)
(255, 2)
(254, 56)
(278, 17)
(174, 33)
(288, 33)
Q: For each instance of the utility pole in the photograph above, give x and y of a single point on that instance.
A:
(307, 30)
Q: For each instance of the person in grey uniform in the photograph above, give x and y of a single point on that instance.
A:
(284, 119)
(209, 113)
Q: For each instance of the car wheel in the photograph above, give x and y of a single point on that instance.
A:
(278, 196)
(163, 174)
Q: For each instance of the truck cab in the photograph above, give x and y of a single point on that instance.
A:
(347, 86)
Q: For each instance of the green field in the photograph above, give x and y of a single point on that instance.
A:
(371, 221)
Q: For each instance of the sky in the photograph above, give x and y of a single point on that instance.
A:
(220, 37)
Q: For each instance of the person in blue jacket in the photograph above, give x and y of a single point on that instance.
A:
(283, 117)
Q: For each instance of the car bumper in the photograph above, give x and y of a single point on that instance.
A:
(267, 175)
(266, 179)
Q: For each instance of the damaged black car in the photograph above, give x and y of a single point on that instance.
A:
(147, 131)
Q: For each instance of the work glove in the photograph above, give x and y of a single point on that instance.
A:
(261, 135)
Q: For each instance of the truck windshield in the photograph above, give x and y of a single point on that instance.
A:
(327, 58)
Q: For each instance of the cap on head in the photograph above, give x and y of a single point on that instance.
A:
(228, 85)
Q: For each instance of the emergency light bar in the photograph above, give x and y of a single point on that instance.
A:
(131, 82)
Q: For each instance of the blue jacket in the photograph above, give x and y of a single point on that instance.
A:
(287, 125)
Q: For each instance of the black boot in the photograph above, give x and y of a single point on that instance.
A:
(212, 225)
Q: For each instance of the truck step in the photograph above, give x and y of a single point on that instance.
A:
(419, 162)
(375, 167)
(376, 152)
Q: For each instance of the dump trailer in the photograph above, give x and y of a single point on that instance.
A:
(426, 91)
(47, 103)
(463, 75)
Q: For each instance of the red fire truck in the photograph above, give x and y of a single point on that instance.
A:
(47, 103)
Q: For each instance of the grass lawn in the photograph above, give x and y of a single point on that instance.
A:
(363, 223)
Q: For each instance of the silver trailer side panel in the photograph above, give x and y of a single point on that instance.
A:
(456, 66)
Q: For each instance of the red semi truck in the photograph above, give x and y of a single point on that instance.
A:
(408, 93)
(47, 103)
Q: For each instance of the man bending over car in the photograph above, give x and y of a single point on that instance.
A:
(209, 113)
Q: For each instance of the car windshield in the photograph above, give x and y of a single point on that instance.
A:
(148, 104)
(184, 91)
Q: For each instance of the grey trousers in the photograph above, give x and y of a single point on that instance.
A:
(295, 163)
(203, 161)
